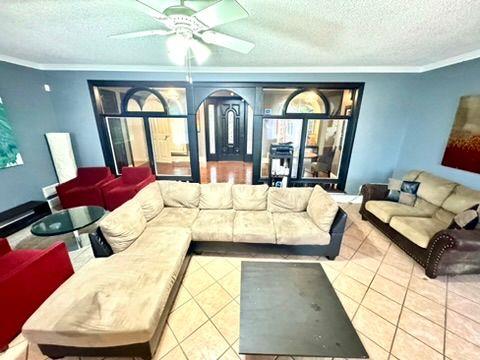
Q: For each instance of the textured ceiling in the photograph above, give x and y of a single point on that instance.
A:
(293, 33)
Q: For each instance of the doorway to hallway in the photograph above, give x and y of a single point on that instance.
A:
(225, 131)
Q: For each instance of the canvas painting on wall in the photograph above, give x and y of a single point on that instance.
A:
(463, 148)
(9, 153)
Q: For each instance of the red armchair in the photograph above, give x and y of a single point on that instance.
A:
(85, 189)
(27, 279)
(133, 179)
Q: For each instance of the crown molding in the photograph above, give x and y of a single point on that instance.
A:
(246, 69)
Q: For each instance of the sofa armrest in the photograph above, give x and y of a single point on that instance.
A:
(338, 225)
(460, 240)
(144, 182)
(100, 246)
(111, 184)
(4, 246)
(373, 192)
(66, 186)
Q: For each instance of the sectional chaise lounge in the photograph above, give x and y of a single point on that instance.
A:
(117, 304)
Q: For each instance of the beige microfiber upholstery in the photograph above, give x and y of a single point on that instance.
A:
(213, 225)
(385, 210)
(461, 199)
(150, 199)
(418, 230)
(216, 196)
(250, 197)
(411, 175)
(253, 227)
(298, 229)
(175, 217)
(444, 216)
(434, 189)
(113, 301)
(289, 199)
(123, 225)
(322, 208)
(180, 194)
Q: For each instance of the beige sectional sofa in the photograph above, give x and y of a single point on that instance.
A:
(422, 230)
(117, 305)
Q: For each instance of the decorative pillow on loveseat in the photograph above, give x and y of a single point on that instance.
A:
(123, 225)
(467, 219)
(403, 192)
(151, 201)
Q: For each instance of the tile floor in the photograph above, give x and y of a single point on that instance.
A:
(397, 311)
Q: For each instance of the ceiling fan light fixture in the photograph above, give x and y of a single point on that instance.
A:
(177, 46)
(200, 51)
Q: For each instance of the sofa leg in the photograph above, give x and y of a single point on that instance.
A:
(364, 218)
(331, 258)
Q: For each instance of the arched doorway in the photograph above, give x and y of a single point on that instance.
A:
(225, 138)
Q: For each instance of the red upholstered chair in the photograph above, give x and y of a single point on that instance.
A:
(133, 179)
(85, 189)
(27, 279)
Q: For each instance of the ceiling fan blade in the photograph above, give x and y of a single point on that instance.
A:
(222, 12)
(198, 5)
(138, 34)
(227, 41)
(152, 11)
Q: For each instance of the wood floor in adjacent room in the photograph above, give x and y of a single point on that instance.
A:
(234, 172)
(397, 311)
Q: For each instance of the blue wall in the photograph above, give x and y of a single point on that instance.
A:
(435, 102)
(31, 114)
(380, 129)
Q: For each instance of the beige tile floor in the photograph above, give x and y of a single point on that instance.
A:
(397, 311)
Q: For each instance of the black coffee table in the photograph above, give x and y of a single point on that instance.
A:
(68, 221)
(291, 309)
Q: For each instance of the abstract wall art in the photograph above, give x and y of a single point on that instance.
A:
(9, 153)
(463, 147)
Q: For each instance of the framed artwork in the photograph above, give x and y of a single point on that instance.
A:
(463, 147)
(9, 153)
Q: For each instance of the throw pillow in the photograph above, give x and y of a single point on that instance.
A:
(407, 198)
(394, 187)
(410, 187)
(123, 225)
(322, 208)
(150, 199)
(467, 219)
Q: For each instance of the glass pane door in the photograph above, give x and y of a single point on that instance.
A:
(128, 142)
(324, 148)
(171, 148)
(276, 131)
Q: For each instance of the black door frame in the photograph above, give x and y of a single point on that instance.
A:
(252, 92)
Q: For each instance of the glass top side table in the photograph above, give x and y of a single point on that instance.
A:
(69, 220)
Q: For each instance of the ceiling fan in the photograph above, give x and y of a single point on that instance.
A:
(189, 25)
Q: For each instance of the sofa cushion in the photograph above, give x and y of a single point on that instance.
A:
(123, 225)
(322, 208)
(253, 227)
(433, 188)
(288, 199)
(150, 199)
(213, 225)
(175, 217)
(461, 199)
(216, 196)
(416, 229)
(444, 216)
(385, 210)
(250, 197)
(180, 194)
(117, 300)
(298, 229)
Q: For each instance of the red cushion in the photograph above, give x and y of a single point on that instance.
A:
(88, 176)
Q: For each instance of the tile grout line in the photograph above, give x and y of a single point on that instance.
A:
(400, 315)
